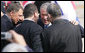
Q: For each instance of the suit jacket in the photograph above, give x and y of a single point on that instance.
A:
(6, 25)
(31, 32)
(81, 28)
(61, 36)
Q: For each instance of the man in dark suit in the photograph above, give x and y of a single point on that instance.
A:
(14, 13)
(30, 29)
(61, 36)
(45, 23)
(9, 20)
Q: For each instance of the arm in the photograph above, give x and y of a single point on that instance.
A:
(81, 28)
(17, 38)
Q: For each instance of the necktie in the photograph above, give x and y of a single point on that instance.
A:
(46, 26)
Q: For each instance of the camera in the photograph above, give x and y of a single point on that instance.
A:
(6, 35)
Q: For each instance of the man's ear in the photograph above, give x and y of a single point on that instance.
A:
(34, 14)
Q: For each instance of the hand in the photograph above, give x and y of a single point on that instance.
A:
(17, 38)
(74, 22)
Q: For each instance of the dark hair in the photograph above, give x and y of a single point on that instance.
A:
(39, 3)
(54, 10)
(13, 7)
(29, 10)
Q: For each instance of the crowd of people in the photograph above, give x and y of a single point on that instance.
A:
(40, 26)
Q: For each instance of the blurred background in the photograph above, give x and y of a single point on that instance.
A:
(80, 11)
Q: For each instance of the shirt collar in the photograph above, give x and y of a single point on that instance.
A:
(46, 26)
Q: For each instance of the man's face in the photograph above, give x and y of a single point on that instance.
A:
(17, 16)
(44, 16)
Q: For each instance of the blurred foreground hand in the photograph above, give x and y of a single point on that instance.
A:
(17, 38)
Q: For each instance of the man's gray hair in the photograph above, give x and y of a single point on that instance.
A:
(54, 10)
(13, 47)
(44, 6)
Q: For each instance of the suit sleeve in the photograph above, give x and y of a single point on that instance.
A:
(81, 30)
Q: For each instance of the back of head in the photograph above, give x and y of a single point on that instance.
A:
(13, 47)
(29, 10)
(13, 7)
(54, 10)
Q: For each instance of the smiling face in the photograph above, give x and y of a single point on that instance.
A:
(44, 16)
(16, 16)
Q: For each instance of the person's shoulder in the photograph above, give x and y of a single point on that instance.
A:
(32, 25)
(36, 26)
(4, 17)
(25, 23)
